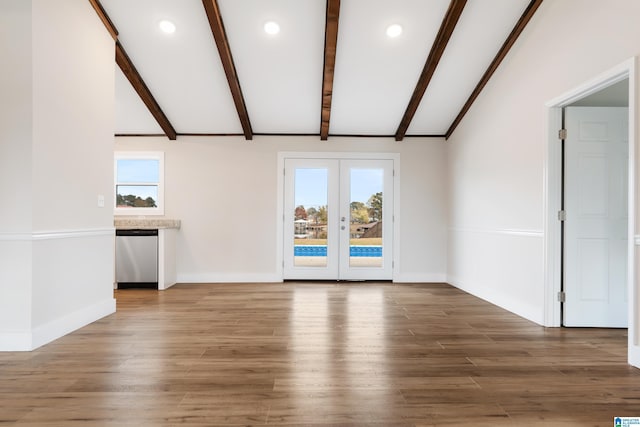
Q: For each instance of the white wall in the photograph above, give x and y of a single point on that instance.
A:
(15, 167)
(224, 189)
(56, 244)
(73, 122)
(73, 116)
(496, 157)
(15, 115)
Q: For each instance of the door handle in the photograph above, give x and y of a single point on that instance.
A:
(343, 219)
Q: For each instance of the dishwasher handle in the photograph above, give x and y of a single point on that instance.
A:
(137, 232)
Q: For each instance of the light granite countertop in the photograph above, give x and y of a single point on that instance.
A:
(124, 223)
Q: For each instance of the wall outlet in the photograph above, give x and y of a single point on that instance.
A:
(100, 201)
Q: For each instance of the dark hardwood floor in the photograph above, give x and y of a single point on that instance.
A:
(294, 354)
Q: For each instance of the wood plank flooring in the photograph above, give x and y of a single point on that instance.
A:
(319, 354)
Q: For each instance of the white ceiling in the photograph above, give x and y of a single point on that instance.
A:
(483, 27)
(375, 76)
(281, 75)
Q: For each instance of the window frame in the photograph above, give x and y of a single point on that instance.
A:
(139, 155)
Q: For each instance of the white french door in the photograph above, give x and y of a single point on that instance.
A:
(338, 219)
(595, 239)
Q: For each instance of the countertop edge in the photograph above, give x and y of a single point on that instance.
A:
(146, 224)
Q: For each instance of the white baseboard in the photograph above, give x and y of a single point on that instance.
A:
(161, 287)
(505, 303)
(420, 278)
(59, 327)
(275, 278)
(27, 341)
(634, 354)
(229, 278)
(15, 341)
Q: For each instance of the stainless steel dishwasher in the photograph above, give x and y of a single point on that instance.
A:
(137, 259)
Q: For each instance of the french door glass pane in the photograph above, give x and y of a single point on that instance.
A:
(365, 207)
(310, 217)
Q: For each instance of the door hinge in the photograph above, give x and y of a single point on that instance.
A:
(562, 215)
(562, 134)
(393, 264)
(562, 297)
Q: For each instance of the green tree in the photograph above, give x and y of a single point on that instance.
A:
(356, 205)
(359, 213)
(322, 214)
(133, 201)
(312, 214)
(375, 207)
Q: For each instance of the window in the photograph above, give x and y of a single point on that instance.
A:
(139, 179)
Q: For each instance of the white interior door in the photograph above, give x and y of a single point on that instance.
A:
(595, 239)
(338, 219)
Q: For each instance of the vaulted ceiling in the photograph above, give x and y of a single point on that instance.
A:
(331, 70)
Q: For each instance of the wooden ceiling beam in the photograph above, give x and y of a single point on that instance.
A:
(437, 50)
(130, 71)
(502, 53)
(222, 42)
(330, 44)
(97, 6)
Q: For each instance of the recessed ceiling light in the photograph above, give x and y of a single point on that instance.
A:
(271, 28)
(167, 27)
(394, 30)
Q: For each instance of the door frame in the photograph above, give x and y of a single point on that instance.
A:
(395, 157)
(553, 194)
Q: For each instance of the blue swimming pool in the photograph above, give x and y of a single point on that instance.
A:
(309, 250)
(321, 250)
(368, 251)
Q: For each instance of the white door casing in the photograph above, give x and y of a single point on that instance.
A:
(596, 206)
